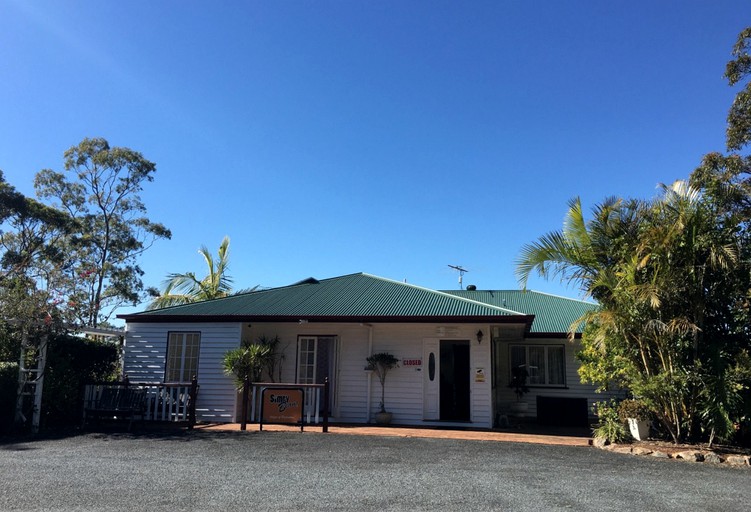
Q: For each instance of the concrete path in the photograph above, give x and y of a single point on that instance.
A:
(428, 433)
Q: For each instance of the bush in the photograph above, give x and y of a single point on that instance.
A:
(610, 427)
(73, 362)
(8, 389)
(631, 408)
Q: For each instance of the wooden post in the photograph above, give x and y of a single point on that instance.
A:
(193, 396)
(326, 405)
(244, 407)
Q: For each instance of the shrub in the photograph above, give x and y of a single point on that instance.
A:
(610, 427)
(73, 362)
(8, 389)
(632, 408)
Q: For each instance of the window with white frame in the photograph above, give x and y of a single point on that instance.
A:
(545, 364)
(182, 356)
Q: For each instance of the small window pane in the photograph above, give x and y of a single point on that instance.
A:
(556, 366)
(536, 365)
(518, 356)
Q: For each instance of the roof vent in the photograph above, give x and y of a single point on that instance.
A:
(471, 287)
(310, 280)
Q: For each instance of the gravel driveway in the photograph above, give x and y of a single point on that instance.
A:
(293, 471)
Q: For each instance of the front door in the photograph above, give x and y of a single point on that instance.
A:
(454, 380)
(446, 393)
(316, 360)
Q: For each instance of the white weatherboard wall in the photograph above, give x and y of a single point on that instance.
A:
(144, 356)
(404, 385)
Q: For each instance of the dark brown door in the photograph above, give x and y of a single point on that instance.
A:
(454, 376)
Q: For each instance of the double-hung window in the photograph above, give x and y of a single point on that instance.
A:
(182, 356)
(545, 364)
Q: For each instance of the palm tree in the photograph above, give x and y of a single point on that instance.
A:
(583, 253)
(186, 288)
(246, 364)
(650, 266)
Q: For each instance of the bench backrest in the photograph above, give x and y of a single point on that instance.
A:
(120, 399)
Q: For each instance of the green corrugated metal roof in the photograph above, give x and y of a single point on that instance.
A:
(355, 296)
(553, 314)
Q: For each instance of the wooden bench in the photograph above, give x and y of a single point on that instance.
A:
(114, 402)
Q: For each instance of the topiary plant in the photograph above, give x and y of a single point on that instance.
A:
(381, 363)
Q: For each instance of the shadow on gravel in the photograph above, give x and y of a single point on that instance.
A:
(19, 442)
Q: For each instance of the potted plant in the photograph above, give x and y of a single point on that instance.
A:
(381, 363)
(636, 415)
(519, 375)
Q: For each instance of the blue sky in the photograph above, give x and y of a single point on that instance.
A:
(389, 137)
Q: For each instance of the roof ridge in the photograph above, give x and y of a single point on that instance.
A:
(512, 290)
(561, 297)
(446, 294)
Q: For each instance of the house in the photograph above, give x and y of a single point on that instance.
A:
(456, 349)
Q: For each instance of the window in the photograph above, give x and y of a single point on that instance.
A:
(546, 364)
(182, 356)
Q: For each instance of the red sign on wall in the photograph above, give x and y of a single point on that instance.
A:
(412, 362)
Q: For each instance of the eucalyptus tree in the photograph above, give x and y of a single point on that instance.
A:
(101, 190)
(30, 268)
(186, 288)
(31, 243)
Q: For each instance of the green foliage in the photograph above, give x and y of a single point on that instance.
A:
(722, 394)
(739, 116)
(609, 426)
(632, 408)
(246, 363)
(8, 390)
(275, 358)
(186, 288)
(667, 274)
(102, 193)
(73, 362)
(29, 249)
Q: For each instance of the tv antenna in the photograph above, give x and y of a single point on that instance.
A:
(461, 271)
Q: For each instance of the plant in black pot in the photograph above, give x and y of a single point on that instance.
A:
(519, 375)
(381, 363)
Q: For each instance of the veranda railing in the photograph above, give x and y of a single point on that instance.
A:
(166, 402)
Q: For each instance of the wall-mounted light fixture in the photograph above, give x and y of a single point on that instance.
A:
(479, 336)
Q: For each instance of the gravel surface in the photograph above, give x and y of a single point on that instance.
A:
(293, 471)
